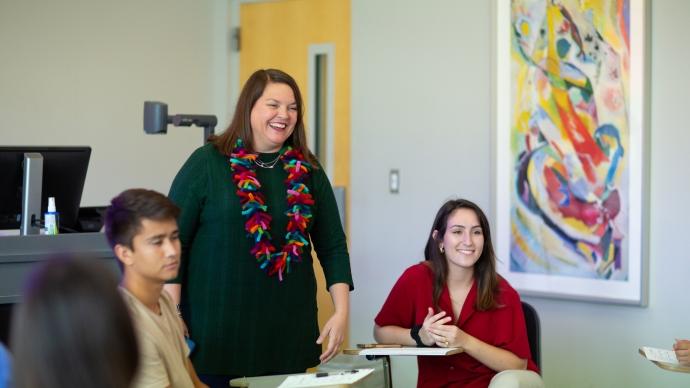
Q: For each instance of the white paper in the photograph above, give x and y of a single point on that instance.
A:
(660, 355)
(343, 377)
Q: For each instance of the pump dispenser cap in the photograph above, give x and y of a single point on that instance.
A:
(51, 205)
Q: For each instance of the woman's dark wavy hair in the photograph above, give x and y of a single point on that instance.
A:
(484, 269)
(241, 127)
(73, 328)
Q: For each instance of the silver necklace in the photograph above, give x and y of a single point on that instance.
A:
(267, 164)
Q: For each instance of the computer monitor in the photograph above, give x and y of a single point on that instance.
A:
(64, 173)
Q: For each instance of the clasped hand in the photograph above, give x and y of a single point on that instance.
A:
(436, 331)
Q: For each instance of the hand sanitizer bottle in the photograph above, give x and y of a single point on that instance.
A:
(51, 218)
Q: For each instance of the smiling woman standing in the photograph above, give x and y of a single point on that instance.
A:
(253, 201)
(455, 298)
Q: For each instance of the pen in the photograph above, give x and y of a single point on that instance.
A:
(345, 372)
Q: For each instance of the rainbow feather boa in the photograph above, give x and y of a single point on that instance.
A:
(258, 224)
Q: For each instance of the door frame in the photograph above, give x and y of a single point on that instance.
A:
(329, 50)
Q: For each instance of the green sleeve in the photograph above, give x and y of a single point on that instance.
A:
(327, 233)
(188, 192)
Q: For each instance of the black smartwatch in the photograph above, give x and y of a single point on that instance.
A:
(414, 333)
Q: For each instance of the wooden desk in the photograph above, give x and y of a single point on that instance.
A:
(672, 368)
(385, 353)
(268, 382)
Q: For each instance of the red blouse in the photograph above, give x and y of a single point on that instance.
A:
(503, 327)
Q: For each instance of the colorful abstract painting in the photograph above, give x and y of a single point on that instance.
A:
(570, 142)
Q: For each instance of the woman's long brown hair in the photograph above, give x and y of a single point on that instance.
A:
(241, 128)
(484, 269)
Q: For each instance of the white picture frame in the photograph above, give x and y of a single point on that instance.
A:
(548, 82)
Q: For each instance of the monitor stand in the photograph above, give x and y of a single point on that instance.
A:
(32, 184)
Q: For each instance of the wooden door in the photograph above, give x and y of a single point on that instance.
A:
(310, 40)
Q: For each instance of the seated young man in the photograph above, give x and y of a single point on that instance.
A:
(141, 228)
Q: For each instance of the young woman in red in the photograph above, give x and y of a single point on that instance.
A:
(455, 298)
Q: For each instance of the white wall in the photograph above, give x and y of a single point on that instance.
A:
(77, 73)
(421, 102)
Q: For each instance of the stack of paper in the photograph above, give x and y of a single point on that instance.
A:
(663, 358)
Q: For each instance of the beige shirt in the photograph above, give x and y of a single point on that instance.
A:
(162, 348)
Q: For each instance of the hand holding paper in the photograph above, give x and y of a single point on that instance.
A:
(682, 351)
(664, 358)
